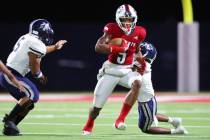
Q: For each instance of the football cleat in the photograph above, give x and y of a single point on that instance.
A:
(120, 125)
(86, 133)
(181, 130)
(176, 122)
(10, 129)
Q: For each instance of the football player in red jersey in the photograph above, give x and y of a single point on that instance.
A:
(117, 70)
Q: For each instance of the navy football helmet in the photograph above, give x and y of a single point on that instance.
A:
(148, 51)
(43, 29)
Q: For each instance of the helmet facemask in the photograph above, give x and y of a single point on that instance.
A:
(127, 24)
(47, 37)
(126, 18)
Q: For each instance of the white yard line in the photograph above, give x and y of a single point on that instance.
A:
(107, 110)
(120, 136)
(101, 124)
(131, 116)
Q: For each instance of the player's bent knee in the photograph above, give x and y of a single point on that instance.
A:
(143, 130)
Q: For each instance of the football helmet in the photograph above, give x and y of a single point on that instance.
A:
(148, 51)
(126, 18)
(43, 29)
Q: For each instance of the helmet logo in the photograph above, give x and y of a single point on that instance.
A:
(127, 14)
(45, 26)
(42, 28)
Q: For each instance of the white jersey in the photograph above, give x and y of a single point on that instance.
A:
(146, 91)
(19, 59)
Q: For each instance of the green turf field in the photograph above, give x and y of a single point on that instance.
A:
(64, 121)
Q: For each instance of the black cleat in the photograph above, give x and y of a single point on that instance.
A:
(10, 129)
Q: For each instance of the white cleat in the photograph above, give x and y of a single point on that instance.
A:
(181, 130)
(176, 122)
(120, 126)
(86, 133)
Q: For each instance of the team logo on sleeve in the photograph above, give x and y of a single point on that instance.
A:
(106, 28)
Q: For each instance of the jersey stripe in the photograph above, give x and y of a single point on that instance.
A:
(127, 8)
(36, 51)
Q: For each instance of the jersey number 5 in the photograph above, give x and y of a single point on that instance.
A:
(17, 45)
(121, 58)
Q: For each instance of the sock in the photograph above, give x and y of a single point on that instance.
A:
(124, 112)
(170, 120)
(21, 116)
(15, 111)
(89, 124)
(173, 131)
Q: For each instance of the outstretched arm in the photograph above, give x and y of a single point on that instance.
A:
(56, 46)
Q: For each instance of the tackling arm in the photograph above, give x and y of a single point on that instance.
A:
(34, 63)
(140, 66)
(56, 46)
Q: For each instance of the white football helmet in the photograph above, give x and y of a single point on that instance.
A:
(126, 18)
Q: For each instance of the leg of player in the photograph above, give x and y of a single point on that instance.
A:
(103, 89)
(127, 105)
(16, 115)
(25, 103)
(148, 122)
(93, 113)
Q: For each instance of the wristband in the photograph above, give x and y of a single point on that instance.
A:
(38, 74)
(116, 49)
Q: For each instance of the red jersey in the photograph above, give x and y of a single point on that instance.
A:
(137, 36)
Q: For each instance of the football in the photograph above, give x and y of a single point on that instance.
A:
(116, 41)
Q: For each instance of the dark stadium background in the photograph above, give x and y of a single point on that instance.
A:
(74, 68)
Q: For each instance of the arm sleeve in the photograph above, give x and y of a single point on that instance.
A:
(142, 34)
(37, 48)
(108, 28)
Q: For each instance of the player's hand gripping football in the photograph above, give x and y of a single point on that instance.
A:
(118, 45)
(59, 44)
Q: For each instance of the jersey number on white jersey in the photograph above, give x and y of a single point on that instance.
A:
(17, 45)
